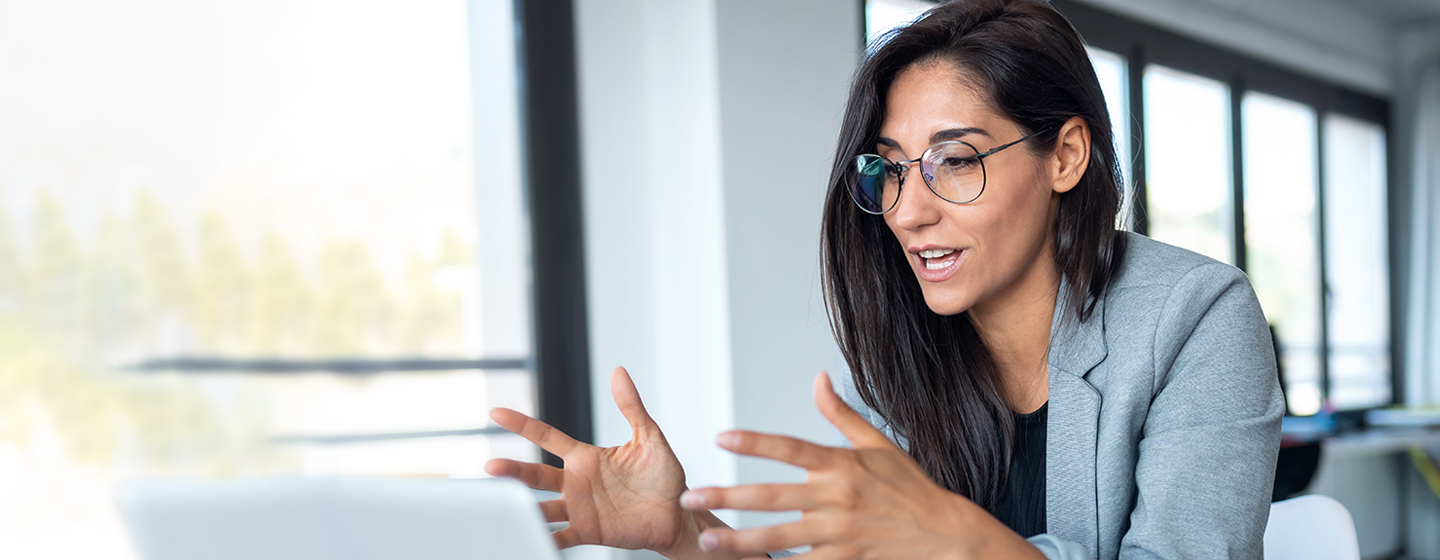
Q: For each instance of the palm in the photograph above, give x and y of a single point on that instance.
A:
(624, 497)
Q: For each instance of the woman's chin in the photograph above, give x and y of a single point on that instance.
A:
(947, 302)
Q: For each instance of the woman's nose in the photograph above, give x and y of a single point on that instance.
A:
(916, 207)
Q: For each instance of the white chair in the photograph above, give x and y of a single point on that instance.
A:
(1310, 528)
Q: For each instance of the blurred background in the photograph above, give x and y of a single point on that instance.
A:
(243, 238)
(324, 237)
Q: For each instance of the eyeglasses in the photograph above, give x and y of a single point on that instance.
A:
(954, 170)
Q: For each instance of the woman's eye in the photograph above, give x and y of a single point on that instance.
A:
(956, 162)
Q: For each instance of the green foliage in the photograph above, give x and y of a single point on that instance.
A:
(71, 312)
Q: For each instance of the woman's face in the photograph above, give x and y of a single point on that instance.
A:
(966, 254)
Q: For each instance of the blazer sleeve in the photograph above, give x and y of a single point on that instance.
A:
(1055, 548)
(1206, 457)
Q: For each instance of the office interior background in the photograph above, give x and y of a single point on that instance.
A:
(325, 237)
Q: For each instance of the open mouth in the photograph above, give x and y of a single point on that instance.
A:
(938, 264)
(939, 259)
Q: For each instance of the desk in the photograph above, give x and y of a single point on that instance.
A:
(1371, 475)
(1377, 441)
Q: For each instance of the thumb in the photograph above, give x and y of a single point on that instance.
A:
(855, 427)
(627, 399)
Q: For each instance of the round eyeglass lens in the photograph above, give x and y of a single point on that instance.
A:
(872, 186)
(954, 171)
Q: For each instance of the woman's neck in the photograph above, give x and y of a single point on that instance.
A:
(1015, 324)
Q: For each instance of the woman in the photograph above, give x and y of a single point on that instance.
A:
(1027, 381)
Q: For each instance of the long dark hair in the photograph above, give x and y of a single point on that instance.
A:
(930, 376)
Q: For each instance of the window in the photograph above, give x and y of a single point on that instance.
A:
(1187, 165)
(883, 15)
(253, 239)
(1275, 172)
(1110, 69)
(1355, 262)
(1282, 236)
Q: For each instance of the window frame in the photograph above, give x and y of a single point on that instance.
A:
(550, 113)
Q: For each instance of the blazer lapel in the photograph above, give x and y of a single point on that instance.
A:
(1071, 496)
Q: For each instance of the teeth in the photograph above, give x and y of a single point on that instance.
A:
(932, 258)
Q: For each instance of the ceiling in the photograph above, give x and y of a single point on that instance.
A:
(1399, 11)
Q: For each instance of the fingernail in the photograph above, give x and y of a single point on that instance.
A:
(727, 439)
(708, 542)
(692, 500)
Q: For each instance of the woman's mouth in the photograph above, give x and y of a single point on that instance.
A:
(938, 265)
(937, 259)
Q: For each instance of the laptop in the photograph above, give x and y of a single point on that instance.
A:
(334, 518)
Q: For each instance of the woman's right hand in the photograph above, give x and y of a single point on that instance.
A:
(623, 497)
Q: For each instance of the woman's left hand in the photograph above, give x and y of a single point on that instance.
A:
(872, 501)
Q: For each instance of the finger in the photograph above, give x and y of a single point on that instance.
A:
(855, 427)
(566, 538)
(539, 433)
(828, 552)
(794, 451)
(554, 511)
(774, 537)
(627, 399)
(539, 477)
(752, 497)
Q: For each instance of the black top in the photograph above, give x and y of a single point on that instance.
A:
(1022, 506)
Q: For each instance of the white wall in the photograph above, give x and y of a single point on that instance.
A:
(707, 129)
(654, 219)
(1418, 45)
(784, 72)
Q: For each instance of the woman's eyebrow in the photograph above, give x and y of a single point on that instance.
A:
(953, 133)
(938, 137)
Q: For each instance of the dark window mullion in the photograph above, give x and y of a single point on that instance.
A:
(342, 439)
(336, 366)
(1140, 203)
(1324, 274)
(1237, 168)
(1397, 221)
(551, 125)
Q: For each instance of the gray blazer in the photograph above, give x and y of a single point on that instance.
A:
(1164, 415)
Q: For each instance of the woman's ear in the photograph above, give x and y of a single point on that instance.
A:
(1072, 154)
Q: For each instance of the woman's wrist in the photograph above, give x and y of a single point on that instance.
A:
(686, 545)
(987, 536)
